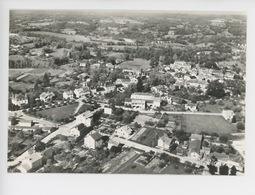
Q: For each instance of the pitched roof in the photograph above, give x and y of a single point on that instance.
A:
(196, 137)
(125, 128)
(96, 136)
(195, 146)
(166, 139)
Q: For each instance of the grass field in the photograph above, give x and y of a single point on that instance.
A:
(16, 57)
(60, 112)
(13, 72)
(21, 86)
(136, 64)
(67, 37)
(150, 137)
(209, 124)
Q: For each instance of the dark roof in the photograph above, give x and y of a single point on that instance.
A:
(96, 136)
(128, 100)
(195, 146)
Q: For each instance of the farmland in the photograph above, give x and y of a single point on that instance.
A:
(150, 137)
(13, 72)
(67, 37)
(136, 64)
(209, 124)
(21, 86)
(59, 112)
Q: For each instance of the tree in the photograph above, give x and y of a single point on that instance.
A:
(39, 146)
(215, 89)
(223, 139)
(224, 169)
(233, 170)
(212, 169)
(139, 85)
(14, 121)
(240, 126)
(46, 80)
(234, 119)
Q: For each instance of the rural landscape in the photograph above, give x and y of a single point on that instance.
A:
(126, 92)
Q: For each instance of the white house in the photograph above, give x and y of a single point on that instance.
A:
(80, 93)
(107, 110)
(33, 161)
(68, 94)
(46, 96)
(93, 140)
(24, 123)
(164, 142)
(85, 118)
(112, 143)
(19, 99)
(228, 114)
(124, 131)
(191, 107)
(76, 130)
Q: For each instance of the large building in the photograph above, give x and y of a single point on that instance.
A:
(85, 118)
(33, 161)
(143, 100)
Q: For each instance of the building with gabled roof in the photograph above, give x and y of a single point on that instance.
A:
(164, 142)
(93, 140)
(34, 161)
(124, 131)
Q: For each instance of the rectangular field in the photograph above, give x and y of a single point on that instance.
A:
(21, 86)
(60, 112)
(207, 123)
(136, 64)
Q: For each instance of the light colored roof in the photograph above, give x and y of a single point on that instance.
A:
(34, 157)
(69, 92)
(125, 128)
(196, 137)
(166, 139)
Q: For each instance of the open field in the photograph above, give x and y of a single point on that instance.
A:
(136, 64)
(66, 36)
(42, 71)
(178, 170)
(21, 86)
(115, 54)
(13, 72)
(209, 124)
(150, 137)
(230, 63)
(136, 169)
(59, 112)
(16, 57)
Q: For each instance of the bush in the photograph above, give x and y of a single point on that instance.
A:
(150, 123)
(240, 126)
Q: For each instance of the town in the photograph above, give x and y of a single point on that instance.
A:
(115, 92)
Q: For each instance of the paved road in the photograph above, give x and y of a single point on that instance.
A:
(169, 112)
(156, 150)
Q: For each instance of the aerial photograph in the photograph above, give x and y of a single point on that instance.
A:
(127, 92)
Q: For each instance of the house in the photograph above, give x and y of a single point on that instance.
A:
(124, 131)
(24, 123)
(228, 114)
(80, 93)
(46, 96)
(156, 102)
(109, 65)
(93, 140)
(33, 161)
(195, 144)
(194, 148)
(124, 82)
(68, 95)
(112, 143)
(85, 118)
(19, 99)
(191, 107)
(107, 110)
(76, 130)
(164, 142)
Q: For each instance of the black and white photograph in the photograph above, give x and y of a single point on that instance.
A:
(116, 97)
(137, 92)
